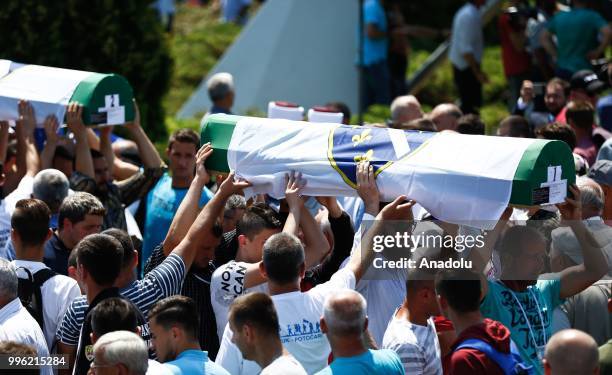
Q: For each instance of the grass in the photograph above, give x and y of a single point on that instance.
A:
(199, 40)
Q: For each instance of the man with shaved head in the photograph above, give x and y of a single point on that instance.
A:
(405, 109)
(345, 322)
(446, 116)
(571, 352)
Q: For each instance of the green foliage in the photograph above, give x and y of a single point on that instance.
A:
(440, 88)
(123, 37)
(376, 114)
(198, 42)
(173, 124)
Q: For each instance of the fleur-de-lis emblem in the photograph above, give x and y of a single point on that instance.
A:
(364, 157)
(360, 138)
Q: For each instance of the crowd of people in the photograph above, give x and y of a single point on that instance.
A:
(126, 264)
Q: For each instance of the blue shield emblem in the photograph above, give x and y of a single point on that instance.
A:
(349, 145)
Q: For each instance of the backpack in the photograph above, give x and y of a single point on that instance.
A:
(30, 293)
(510, 363)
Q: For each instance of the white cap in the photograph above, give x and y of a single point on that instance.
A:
(285, 110)
(325, 114)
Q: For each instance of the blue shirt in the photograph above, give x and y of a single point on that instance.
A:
(604, 112)
(162, 203)
(193, 362)
(577, 33)
(382, 361)
(232, 10)
(374, 50)
(527, 314)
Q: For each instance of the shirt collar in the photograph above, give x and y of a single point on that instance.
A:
(594, 218)
(30, 265)
(10, 308)
(193, 353)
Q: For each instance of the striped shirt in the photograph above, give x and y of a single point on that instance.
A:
(416, 345)
(163, 281)
(197, 287)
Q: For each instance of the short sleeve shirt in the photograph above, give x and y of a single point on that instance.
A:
(577, 33)
(528, 316)
(374, 50)
(226, 284)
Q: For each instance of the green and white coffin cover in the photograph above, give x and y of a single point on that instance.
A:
(107, 98)
(462, 179)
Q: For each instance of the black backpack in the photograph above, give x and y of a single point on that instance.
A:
(30, 293)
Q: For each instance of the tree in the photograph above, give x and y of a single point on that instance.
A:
(105, 36)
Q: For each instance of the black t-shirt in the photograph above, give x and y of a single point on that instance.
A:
(85, 354)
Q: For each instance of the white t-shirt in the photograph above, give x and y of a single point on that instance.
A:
(284, 365)
(466, 37)
(7, 206)
(416, 345)
(57, 294)
(16, 324)
(226, 284)
(156, 368)
(300, 332)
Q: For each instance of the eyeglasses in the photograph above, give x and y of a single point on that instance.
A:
(93, 366)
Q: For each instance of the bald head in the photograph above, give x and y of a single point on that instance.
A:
(344, 313)
(571, 352)
(446, 116)
(405, 109)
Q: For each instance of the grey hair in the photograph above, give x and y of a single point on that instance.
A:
(589, 196)
(76, 206)
(51, 186)
(8, 280)
(592, 194)
(126, 348)
(219, 85)
(344, 312)
(235, 202)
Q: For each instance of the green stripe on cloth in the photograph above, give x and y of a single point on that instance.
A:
(532, 170)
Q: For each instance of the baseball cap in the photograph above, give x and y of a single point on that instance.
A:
(587, 80)
(601, 172)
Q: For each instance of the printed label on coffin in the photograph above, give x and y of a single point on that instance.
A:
(349, 145)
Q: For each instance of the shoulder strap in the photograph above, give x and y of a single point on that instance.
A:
(504, 360)
(43, 275)
(30, 292)
(26, 286)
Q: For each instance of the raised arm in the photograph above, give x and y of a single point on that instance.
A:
(4, 138)
(189, 208)
(200, 233)
(399, 209)
(294, 185)
(316, 246)
(74, 121)
(480, 256)
(106, 147)
(149, 155)
(28, 162)
(577, 278)
(362, 257)
(46, 156)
